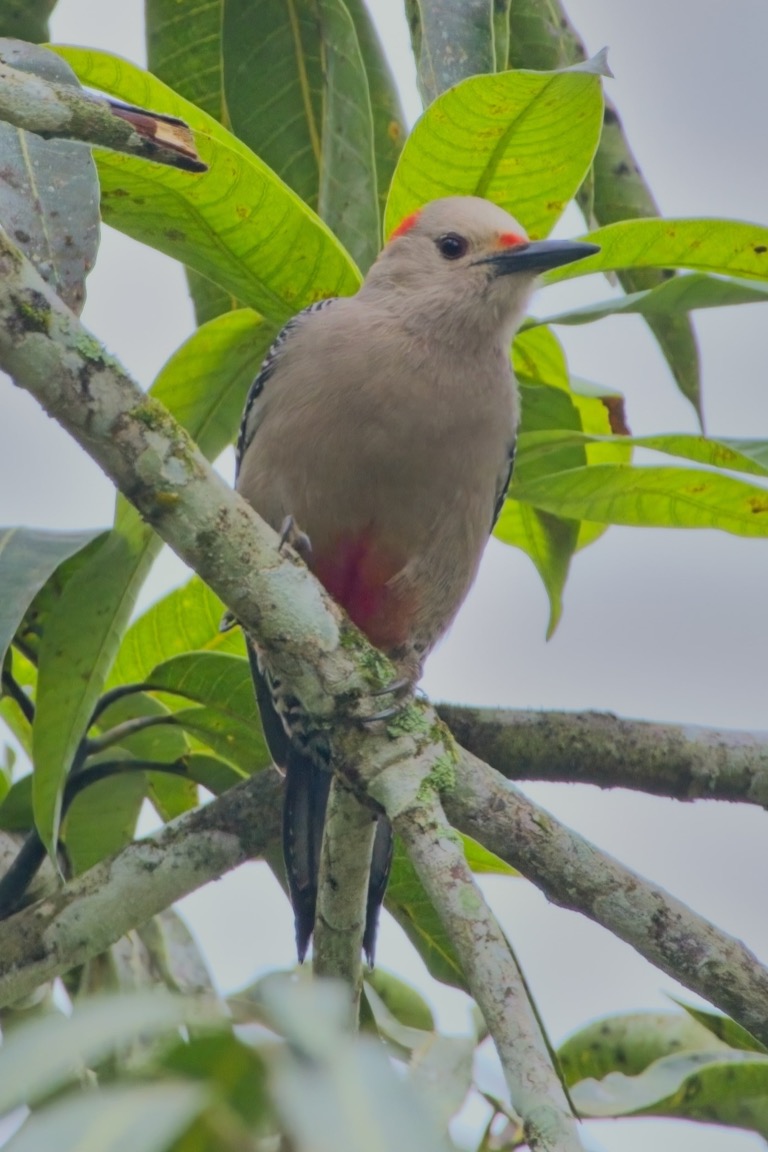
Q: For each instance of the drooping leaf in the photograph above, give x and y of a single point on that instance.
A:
(237, 223)
(175, 954)
(522, 139)
(28, 558)
(228, 719)
(49, 192)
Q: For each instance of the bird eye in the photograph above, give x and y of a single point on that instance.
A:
(452, 246)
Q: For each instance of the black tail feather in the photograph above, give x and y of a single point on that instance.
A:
(304, 803)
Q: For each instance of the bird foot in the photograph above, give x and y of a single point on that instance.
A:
(290, 533)
(402, 689)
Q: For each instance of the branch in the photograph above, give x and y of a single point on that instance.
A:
(343, 890)
(576, 875)
(93, 911)
(681, 762)
(492, 973)
(307, 640)
(65, 112)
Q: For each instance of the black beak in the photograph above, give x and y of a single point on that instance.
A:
(538, 256)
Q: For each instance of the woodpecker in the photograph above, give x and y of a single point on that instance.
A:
(379, 435)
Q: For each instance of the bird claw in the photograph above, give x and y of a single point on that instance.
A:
(401, 689)
(228, 621)
(290, 533)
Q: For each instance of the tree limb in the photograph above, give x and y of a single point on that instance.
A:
(56, 111)
(574, 874)
(683, 762)
(437, 855)
(91, 912)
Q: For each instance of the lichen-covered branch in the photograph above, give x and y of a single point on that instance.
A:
(343, 890)
(65, 112)
(492, 973)
(683, 762)
(91, 912)
(575, 874)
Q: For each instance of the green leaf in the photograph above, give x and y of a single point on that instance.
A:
(176, 957)
(481, 860)
(402, 1001)
(233, 1068)
(336, 1092)
(116, 1119)
(28, 558)
(389, 130)
(407, 901)
(237, 223)
(299, 98)
(348, 198)
(214, 774)
(184, 50)
(205, 382)
(681, 294)
(26, 19)
(524, 140)
(42, 1056)
(80, 640)
(650, 497)
(454, 41)
(274, 86)
(549, 540)
(228, 720)
(631, 1042)
(49, 192)
(102, 819)
(186, 619)
(730, 247)
(732, 455)
(723, 1027)
(717, 1088)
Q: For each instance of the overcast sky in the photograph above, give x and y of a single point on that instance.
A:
(663, 625)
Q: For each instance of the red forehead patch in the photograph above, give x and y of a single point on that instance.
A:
(405, 225)
(511, 239)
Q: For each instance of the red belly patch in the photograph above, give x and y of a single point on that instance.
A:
(356, 574)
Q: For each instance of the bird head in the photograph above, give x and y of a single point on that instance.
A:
(464, 262)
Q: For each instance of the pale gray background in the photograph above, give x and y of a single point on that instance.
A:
(665, 625)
